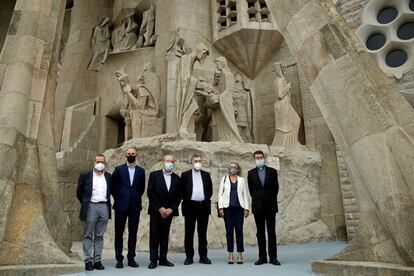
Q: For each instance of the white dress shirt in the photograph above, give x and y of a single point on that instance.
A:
(198, 188)
(98, 188)
(131, 171)
(167, 178)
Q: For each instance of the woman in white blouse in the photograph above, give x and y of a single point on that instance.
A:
(233, 205)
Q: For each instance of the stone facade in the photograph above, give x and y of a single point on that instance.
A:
(64, 98)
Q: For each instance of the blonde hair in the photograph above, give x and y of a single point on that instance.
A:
(239, 170)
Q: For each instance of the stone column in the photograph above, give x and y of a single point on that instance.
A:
(371, 122)
(32, 222)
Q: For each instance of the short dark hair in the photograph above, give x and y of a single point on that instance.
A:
(196, 155)
(257, 152)
(99, 155)
(134, 148)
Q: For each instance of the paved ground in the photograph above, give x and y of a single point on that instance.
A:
(295, 259)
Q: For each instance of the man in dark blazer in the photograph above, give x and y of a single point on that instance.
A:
(128, 186)
(197, 189)
(93, 192)
(263, 187)
(164, 194)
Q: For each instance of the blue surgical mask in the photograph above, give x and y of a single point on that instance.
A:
(233, 171)
(260, 163)
(169, 166)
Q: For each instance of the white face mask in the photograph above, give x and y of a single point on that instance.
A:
(197, 166)
(99, 167)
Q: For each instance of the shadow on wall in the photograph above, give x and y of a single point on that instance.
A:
(6, 12)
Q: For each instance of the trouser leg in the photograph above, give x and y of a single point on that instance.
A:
(154, 237)
(239, 220)
(133, 222)
(100, 228)
(202, 225)
(261, 235)
(229, 223)
(120, 221)
(164, 236)
(190, 222)
(88, 234)
(271, 235)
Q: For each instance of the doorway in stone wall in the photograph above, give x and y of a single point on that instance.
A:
(6, 13)
(115, 131)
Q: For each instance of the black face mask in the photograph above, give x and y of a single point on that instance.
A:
(131, 159)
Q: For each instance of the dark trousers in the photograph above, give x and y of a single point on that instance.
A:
(159, 232)
(233, 220)
(264, 221)
(120, 220)
(200, 216)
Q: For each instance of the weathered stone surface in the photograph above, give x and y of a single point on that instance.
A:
(298, 194)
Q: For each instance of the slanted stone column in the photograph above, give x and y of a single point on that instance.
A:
(32, 222)
(371, 122)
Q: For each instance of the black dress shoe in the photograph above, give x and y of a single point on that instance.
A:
(133, 263)
(205, 260)
(274, 261)
(119, 265)
(260, 261)
(165, 263)
(88, 266)
(152, 265)
(188, 261)
(98, 266)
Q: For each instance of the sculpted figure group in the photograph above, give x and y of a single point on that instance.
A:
(166, 192)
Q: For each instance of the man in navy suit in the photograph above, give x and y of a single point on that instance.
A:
(164, 194)
(93, 192)
(128, 185)
(264, 187)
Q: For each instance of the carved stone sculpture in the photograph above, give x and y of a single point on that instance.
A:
(140, 108)
(152, 81)
(146, 33)
(243, 109)
(287, 120)
(187, 84)
(175, 51)
(223, 122)
(124, 36)
(100, 44)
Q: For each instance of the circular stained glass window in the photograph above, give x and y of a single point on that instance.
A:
(376, 41)
(387, 15)
(406, 31)
(396, 58)
(412, 5)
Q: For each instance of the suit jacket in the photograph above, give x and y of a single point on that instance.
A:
(84, 192)
(187, 191)
(264, 199)
(224, 193)
(127, 195)
(159, 196)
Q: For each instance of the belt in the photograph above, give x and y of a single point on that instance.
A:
(198, 202)
(100, 202)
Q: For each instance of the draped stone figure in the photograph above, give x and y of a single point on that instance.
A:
(223, 122)
(139, 108)
(243, 109)
(100, 44)
(187, 86)
(287, 120)
(146, 33)
(124, 36)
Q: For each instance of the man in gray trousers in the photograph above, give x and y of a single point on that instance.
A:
(93, 192)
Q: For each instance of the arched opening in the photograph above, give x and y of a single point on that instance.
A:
(6, 12)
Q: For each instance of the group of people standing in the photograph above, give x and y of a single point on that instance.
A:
(166, 191)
